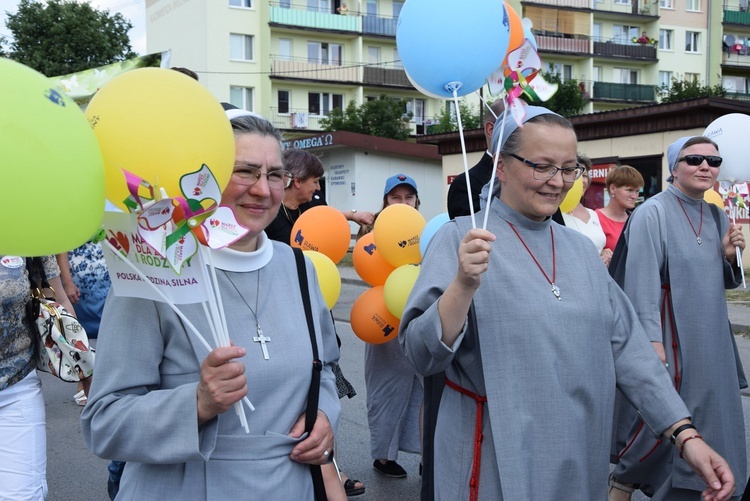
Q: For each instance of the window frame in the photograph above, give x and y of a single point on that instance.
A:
(325, 102)
(695, 3)
(279, 101)
(246, 92)
(244, 46)
(695, 42)
(670, 37)
(666, 4)
(250, 2)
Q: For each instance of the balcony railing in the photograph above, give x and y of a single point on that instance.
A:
(562, 44)
(304, 69)
(619, 49)
(291, 119)
(574, 4)
(379, 25)
(633, 7)
(379, 75)
(737, 16)
(304, 18)
(736, 60)
(740, 96)
(624, 92)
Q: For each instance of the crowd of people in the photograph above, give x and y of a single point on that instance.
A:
(531, 354)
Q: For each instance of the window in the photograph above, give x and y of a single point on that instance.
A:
(241, 97)
(622, 2)
(240, 47)
(693, 5)
(665, 79)
(692, 77)
(665, 39)
(666, 4)
(319, 5)
(373, 55)
(692, 41)
(626, 76)
(397, 6)
(282, 101)
(416, 108)
(285, 49)
(285, 4)
(596, 73)
(247, 4)
(624, 34)
(321, 103)
(596, 34)
(372, 7)
(325, 53)
(564, 71)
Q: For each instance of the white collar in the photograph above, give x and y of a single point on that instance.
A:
(233, 260)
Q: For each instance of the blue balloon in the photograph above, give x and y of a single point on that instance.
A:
(432, 226)
(441, 42)
(527, 25)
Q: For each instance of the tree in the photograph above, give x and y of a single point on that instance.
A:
(684, 89)
(448, 122)
(384, 117)
(569, 99)
(64, 36)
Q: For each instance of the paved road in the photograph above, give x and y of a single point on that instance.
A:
(78, 475)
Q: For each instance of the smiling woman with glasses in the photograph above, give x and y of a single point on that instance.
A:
(534, 338)
(247, 175)
(681, 258)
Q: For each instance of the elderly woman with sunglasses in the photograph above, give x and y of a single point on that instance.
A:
(680, 260)
(534, 336)
(168, 409)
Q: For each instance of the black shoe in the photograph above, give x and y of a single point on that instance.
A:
(389, 469)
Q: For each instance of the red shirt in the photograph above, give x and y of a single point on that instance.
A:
(612, 230)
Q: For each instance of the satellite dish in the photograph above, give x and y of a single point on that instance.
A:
(728, 40)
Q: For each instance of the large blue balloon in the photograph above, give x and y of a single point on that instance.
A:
(446, 41)
(432, 226)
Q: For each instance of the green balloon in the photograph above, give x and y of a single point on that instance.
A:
(51, 169)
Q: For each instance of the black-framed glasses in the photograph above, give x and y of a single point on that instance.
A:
(711, 160)
(248, 175)
(544, 172)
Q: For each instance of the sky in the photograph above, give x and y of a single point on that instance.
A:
(134, 10)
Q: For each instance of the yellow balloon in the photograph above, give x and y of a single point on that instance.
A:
(573, 197)
(159, 125)
(398, 286)
(52, 186)
(712, 197)
(329, 277)
(397, 231)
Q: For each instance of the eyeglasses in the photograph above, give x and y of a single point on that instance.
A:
(247, 175)
(544, 172)
(711, 160)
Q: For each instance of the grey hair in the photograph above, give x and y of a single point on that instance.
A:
(513, 143)
(251, 124)
(302, 164)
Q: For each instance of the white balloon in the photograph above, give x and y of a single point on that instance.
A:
(729, 132)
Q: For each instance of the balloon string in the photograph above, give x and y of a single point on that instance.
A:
(463, 153)
(495, 157)
(737, 251)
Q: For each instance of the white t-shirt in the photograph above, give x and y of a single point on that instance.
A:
(592, 229)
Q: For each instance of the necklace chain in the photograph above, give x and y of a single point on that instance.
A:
(555, 288)
(700, 225)
(260, 338)
(289, 216)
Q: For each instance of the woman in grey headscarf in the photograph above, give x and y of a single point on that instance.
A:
(532, 357)
(681, 257)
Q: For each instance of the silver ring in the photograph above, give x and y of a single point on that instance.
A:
(325, 453)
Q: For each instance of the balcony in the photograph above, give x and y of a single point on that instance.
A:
(322, 20)
(624, 92)
(570, 4)
(612, 48)
(303, 69)
(736, 59)
(736, 16)
(739, 96)
(629, 8)
(562, 43)
(287, 120)
(381, 76)
(379, 25)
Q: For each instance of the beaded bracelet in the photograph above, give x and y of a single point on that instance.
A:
(679, 430)
(682, 446)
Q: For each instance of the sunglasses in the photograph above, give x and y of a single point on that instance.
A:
(694, 160)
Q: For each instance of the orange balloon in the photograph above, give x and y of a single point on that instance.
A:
(370, 318)
(368, 263)
(322, 229)
(712, 197)
(516, 36)
(397, 232)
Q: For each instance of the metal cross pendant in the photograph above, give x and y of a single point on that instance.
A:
(699, 240)
(260, 338)
(556, 292)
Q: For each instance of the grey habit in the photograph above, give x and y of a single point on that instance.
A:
(702, 350)
(142, 406)
(548, 367)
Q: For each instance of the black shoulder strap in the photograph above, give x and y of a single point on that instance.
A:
(313, 395)
(717, 220)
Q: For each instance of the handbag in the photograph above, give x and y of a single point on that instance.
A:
(62, 344)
